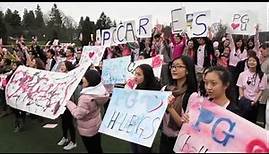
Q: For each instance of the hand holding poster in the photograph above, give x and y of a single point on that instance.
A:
(243, 22)
(214, 129)
(200, 24)
(179, 23)
(42, 92)
(135, 115)
(92, 54)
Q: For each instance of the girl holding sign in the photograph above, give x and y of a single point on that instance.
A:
(218, 88)
(182, 83)
(145, 80)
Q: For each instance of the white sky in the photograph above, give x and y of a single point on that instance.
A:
(160, 11)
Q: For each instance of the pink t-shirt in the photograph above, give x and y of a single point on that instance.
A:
(251, 85)
(178, 48)
(237, 56)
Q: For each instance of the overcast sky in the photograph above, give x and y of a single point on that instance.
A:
(160, 11)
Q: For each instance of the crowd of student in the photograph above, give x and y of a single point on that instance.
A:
(230, 72)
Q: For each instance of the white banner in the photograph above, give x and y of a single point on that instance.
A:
(40, 92)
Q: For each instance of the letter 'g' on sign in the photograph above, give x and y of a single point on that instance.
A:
(200, 24)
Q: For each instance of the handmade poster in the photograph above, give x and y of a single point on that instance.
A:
(130, 31)
(200, 23)
(106, 37)
(179, 22)
(114, 70)
(243, 22)
(92, 54)
(144, 26)
(134, 115)
(119, 70)
(40, 92)
(212, 128)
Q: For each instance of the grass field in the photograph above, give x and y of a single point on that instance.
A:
(36, 139)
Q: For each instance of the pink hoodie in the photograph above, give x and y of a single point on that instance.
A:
(87, 113)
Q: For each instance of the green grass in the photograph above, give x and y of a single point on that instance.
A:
(36, 139)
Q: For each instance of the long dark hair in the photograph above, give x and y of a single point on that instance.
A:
(191, 80)
(242, 46)
(258, 67)
(150, 82)
(226, 78)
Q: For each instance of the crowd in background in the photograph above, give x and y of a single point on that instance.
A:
(227, 69)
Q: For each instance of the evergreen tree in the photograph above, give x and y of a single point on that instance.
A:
(103, 22)
(3, 29)
(55, 22)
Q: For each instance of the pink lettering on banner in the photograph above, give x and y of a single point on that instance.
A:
(214, 129)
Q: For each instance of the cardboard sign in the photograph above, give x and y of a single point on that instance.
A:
(213, 128)
(92, 54)
(243, 22)
(125, 68)
(179, 23)
(114, 70)
(40, 92)
(134, 115)
(144, 26)
(200, 24)
(130, 31)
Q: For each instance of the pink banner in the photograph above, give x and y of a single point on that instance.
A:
(214, 129)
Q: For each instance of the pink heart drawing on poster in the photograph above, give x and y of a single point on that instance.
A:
(234, 25)
(91, 54)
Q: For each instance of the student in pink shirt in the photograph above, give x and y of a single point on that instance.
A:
(252, 82)
(238, 53)
(178, 45)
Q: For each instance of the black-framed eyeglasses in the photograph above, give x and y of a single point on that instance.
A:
(177, 66)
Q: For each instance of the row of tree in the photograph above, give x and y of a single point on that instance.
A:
(57, 25)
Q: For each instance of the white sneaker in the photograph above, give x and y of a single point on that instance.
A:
(63, 141)
(70, 146)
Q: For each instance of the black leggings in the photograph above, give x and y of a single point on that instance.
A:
(93, 143)
(67, 124)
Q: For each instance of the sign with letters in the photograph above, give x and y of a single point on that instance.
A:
(134, 115)
(243, 22)
(200, 24)
(212, 128)
(179, 23)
